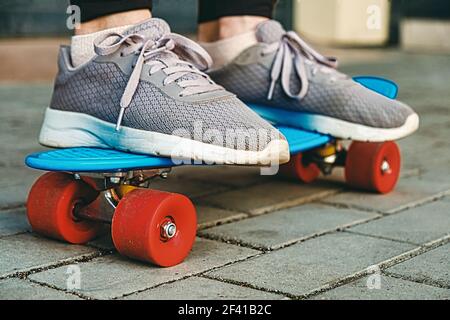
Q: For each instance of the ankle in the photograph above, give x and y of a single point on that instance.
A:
(113, 20)
(228, 27)
(225, 50)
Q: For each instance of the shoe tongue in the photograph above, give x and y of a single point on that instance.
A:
(269, 31)
(155, 29)
(152, 28)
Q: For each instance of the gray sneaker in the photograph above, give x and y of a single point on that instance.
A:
(144, 92)
(284, 72)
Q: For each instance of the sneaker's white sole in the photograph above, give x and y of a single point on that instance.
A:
(65, 129)
(353, 131)
(335, 127)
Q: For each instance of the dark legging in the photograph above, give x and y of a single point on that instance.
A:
(208, 9)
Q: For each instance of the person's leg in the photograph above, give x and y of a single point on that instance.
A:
(97, 15)
(226, 28)
(104, 16)
(113, 20)
(219, 20)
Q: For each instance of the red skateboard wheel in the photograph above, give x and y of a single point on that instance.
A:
(296, 169)
(50, 208)
(154, 226)
(373, 166)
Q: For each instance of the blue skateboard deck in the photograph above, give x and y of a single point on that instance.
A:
(385, 87)
(109, 160)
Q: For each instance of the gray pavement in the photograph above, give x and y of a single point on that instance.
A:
(259, 237)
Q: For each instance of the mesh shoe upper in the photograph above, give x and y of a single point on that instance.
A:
(96, 89)
(329, 92)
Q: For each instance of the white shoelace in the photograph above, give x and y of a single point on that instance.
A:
(291, 49)
(163, 54)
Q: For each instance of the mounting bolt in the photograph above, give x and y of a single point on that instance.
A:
(385, 167)
(164, 175)
(114, 180)
(168, 230)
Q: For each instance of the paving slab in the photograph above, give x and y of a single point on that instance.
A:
(428, 148)
(434, 124)
(20, 289)
(199, 288)
(439, 173)
(286, 226)
(104, 242)
(114, 276)
(21, 119)
(22, 252)
(390, 289)
(307, 266)
(410, 192)
(271, 196)
(209, 216)
(13, 221)
(15, 185)
(434, 158)
(418, 225)
(189, 188)
(231, 176)
(430, 267)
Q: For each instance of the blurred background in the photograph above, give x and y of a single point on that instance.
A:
(37, 27)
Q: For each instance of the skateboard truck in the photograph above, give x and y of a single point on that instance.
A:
(103, 207)
(132, 177)
(112, 187)
(326, 157)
